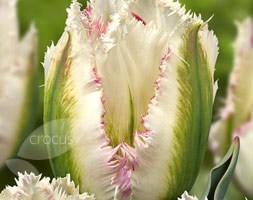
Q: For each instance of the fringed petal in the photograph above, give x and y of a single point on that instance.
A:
(73, 94)
(179, 119)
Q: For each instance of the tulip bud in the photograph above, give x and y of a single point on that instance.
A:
(133, 81)
(17, 69)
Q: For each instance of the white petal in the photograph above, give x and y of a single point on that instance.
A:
(128, 73)
(48, 56)
(210, 44)
(241, 81)
(186, 196)
(167, 15)
(104, 9)
(65, 184)
(174, 104)
(239, 101)
(13, 92)
(244, 167)
(9, 34)
(79, 99)
(30, 186)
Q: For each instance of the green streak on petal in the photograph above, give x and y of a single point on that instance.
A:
(132, 125)
(55, 98)
(117, 136)
(194, 113)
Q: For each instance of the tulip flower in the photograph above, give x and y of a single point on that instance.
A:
(30, 186)
(133, 81)
(17, 69)
(236, 118)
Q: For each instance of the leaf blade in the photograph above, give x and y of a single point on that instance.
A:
(221, 175)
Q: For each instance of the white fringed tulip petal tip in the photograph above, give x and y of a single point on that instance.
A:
(186, 196)
(30, 186)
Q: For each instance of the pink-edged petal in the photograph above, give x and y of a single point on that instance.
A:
(241, 81)
(128, 73)
(178, 122)
(73, 94)
(239, 101)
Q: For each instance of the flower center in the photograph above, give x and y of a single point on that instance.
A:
(128, 72)
(128, 80)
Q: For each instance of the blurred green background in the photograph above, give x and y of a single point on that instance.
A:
(49, 18)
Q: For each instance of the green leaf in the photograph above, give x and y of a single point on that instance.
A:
(221, 175)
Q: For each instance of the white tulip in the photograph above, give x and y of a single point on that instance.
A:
(134, 82)
(236, 116)
(17, 68)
